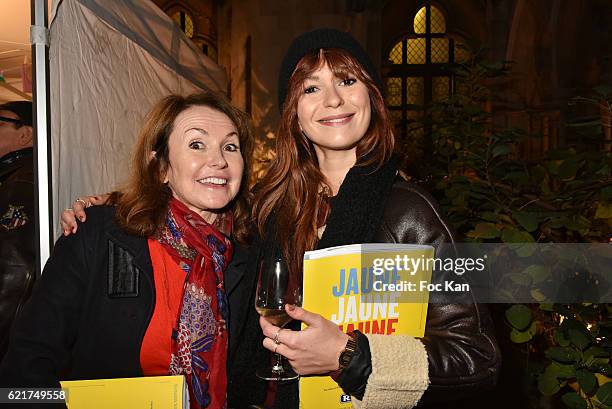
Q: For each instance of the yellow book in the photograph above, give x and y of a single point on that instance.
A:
(151, 392)
(377, 288)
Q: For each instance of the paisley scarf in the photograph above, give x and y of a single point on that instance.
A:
(200, 339)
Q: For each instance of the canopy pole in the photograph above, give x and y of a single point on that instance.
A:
(39, 38)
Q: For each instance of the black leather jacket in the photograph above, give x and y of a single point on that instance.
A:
(17, 231)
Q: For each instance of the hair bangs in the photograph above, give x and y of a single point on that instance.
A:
(289, 192)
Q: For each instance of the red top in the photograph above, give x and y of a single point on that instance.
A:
(157, 343)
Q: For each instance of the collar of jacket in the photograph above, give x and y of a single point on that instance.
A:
(13, 161)
(358, 208)
(138, 250)
(235, 271)
(12, 157)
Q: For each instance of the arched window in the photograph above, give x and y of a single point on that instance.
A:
(417, 69)
(207, 47)
(197, 24)
(184, 21)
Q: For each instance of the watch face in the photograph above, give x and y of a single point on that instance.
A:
(345, 357)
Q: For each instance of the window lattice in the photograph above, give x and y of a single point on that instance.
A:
(415, 51)
(184, 21)
(420, 21)
(394, 91)
(438, 22)
(440, 88)
(439, 50)
(415, 90)
(395, 56)
(396, 118)
(417, 77)
(414, 130)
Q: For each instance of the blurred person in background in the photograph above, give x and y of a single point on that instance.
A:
(17, 222)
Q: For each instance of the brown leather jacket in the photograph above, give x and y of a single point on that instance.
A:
(459, 336)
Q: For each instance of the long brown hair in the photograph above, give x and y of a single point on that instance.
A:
(290, 189)
(142, 204)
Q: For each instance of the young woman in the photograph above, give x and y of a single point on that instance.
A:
(333, 182)
(139, 290)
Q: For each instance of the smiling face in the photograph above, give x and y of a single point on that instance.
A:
(206, 164)
(333, 112)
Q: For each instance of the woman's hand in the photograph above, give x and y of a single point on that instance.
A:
(77, 211)
(312, 351)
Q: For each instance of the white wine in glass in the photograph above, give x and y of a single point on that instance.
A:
(280, 318)
(276, 288)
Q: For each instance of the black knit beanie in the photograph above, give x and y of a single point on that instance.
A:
(313, 41)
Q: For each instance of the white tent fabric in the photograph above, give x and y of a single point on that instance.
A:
(110, 61)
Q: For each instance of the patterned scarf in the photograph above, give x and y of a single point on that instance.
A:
(200, 340)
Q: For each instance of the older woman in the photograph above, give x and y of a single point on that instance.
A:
(139, 289)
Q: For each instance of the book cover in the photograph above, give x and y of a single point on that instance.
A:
(374, 288)
(151, 392)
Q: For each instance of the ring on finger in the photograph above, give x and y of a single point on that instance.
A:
(83, 202)
(276, 337)
(69, 209)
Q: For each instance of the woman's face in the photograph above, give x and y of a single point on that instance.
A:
(334, 113)
(206, 164)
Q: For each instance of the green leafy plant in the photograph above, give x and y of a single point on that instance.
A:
(577, 362)
(492, 192)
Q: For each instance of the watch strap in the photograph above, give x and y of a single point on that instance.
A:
(346, 355)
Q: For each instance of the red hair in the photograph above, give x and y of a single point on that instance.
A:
(290, 189)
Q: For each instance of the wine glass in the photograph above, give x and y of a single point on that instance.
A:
(275, 288)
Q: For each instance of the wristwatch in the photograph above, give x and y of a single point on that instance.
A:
(346, 355)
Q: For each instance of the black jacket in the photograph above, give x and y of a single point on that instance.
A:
(17, 236)
(89, 311)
